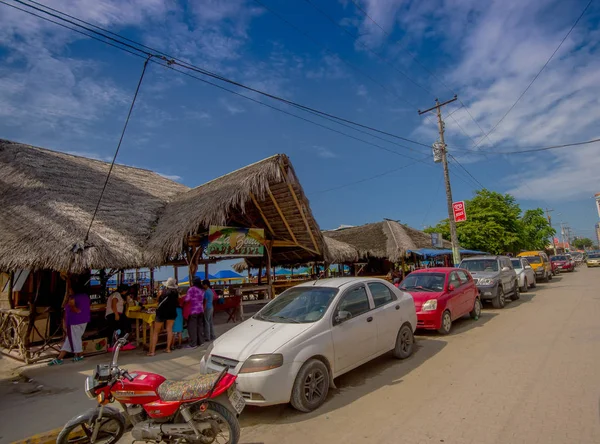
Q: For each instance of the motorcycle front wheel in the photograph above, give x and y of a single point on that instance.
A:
(80, 429)
(225, 428)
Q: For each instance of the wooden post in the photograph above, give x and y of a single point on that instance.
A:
(11, 301)
(206, 270)
(176, 273)
(269, 277)
(402, 264)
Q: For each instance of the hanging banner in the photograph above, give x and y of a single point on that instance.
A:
(597, 197)
(235, 242)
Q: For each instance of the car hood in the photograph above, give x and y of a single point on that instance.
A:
(256, 337)
(485, 274)
(420, 297)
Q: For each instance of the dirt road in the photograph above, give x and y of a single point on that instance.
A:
(527, 374)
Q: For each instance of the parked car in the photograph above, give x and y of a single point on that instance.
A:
(293, 349)
(571, 259)
(540, 263)
(495, 278)
(441, 296)
(555, 268)
(525, 274)
(578, 257)
(593, 260)
(563, 263)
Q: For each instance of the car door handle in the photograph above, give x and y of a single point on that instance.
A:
(369, 319)
(397, 307)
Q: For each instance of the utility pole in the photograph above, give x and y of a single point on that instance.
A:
(548, 211)
(453, 235)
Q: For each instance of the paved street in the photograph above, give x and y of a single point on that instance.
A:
(526, 374)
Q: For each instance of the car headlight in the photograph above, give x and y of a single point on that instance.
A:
(261, 363)
(487, 281)
(430, 305)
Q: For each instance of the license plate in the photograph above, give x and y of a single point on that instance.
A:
(237, 400)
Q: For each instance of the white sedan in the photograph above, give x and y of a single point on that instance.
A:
(525, 273)
(293, 349)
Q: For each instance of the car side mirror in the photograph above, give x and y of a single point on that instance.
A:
(505, 269)
(451, 287)
(342, 316)
(528, 267)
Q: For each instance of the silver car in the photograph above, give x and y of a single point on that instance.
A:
(525, 274)
(495, 278)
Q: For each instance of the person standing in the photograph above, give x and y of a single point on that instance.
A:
(166, 313)
(77, 316)
(195, 297)
(115, 311)
(209, 297)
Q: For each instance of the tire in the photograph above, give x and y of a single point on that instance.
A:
(516, 293)
(113, 425)
(525, 287)
(313, 378)
(217, 415)
(446, 325)
(476, 312)
(405, 342)
(545, 278)
(500, 300)
(534, 283)
(550, 276)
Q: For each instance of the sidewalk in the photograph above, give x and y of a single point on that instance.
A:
(55, 394)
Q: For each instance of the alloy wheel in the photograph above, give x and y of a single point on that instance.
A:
(406, 341)
(314, 385)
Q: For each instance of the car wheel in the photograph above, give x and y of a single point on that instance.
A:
(500, 300)
(446, 323)
(525, 286)
(476, 312)
(534, 283)
(517, 293)
(550, 276)
(311, 386)
(405, 342)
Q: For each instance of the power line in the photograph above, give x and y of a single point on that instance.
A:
(466, 171)
(532, 150)
(538, 74)
(172, 60)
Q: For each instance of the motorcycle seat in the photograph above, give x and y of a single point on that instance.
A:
(196, 388)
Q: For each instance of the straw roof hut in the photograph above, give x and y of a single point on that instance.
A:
(48, 198)
(387, 239)
(339, 252)
(266, 194)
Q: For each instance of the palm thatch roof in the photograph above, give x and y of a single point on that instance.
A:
(387, 239)
(266, 194)
(339, 252)
(240, 266)
(48, 198)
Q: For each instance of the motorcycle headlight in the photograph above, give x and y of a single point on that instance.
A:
(261, 363)
(90, 387)
(430, 305)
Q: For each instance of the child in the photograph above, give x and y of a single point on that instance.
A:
(178, 328)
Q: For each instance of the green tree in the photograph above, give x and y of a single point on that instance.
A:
(493, 223)
(536, 231)
(582, 243)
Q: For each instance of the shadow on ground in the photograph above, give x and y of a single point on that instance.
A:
(460, 326)
(382, 372)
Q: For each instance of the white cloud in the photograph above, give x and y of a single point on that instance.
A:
(172, 177)
(231, 108)
(330, 67)
(324, 153)
(361, 91)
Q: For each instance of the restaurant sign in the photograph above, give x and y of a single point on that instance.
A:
(235, 242)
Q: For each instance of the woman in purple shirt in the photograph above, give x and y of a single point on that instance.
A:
(195, 297)
(77, 316)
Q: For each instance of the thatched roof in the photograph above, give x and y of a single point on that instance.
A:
(266, 194)
(240, 266)
(387, 239)
(47, 200)
(339, 252)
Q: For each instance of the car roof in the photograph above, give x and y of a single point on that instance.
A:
(339, 282)
(489, 256)
(530, 253)
(436, 270)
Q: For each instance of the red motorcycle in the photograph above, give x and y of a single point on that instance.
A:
(201, 410)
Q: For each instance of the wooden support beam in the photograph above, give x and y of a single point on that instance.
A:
(300, 209)
(287, 225)
(264, 218)
(284, 243)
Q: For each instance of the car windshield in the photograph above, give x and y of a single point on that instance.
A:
(534, 259)
(486, 265)
(516, 264)
(298, 305)
(559, 258)
(594, 256)
(424, 282)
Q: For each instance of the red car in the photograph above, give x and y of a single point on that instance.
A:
(562, 263)
(441, 296)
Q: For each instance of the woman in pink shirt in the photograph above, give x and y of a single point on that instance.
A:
(195, 297)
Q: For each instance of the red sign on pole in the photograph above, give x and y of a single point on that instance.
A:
(459, 211)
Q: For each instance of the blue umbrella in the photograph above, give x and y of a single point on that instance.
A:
(227, 274)
(200, 274)
(283, 272)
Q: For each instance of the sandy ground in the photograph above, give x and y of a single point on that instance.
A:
(526, 374)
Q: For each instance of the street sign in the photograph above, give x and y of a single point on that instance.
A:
(460, 214)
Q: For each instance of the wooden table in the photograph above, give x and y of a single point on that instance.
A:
(143, 319)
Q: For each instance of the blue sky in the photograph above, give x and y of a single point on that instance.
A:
(62, 91)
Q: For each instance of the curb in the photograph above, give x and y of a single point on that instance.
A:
(41, 438)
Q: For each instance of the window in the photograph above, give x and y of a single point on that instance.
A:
(454, 280)
(516, 263)
(381, 294)
(356, 302)
(486, 265)
(464, 277)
